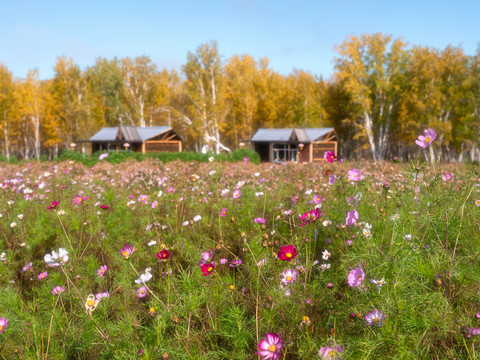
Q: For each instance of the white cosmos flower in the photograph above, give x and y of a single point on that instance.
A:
(408, 237)
(325, 267)
(325, 255)
(379, 283)
(144, 277)
(327, 223)
(257, 194)
(308, 192)
(197, 218)
(151, 243)
(57, 259)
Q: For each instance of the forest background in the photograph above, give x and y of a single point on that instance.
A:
(382, 94)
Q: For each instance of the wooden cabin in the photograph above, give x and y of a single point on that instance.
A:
(297, 145)
(138, 139)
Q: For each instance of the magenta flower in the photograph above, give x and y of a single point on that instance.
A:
(102, 295)
(356, 277)
(330, 353)
(310, 216)
(352, 217)
(287, 253)
(53, 206)
(42, 276)
(3, 324)
(260, 220)
(330, 156)
(375, 318)
(207, 268)
(127, 250)
(354, 175)
(104, 207)
(142, 292)
(270, 347)
(57, 290)
(223, 261)
(424, 141)
(246, 159)
(101, 272)
(224, 212)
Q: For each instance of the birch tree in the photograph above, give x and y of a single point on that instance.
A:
(371, 69)
(203, 72)
(6, 102)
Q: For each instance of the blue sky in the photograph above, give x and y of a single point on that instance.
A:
(292, 34)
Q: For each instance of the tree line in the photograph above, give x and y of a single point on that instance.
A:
(382, 94)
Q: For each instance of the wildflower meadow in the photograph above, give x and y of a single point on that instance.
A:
(237, 260)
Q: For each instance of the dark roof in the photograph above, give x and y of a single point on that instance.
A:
(131, 134)
(285, 135)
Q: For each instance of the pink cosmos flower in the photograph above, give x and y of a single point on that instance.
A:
(142, 292)
(375, 318)
(354, 175)
(236, 263)
(223, 261)
(236, 194)
(287, 253)
(163, 255)
(42, 276)
(3, 324)
(102, 295)
(288, 276)
(104, 207)
(224, 212)
(206, 257)
(57, 290)
(330, 156)
(260, 220)
(317, 199)
(356, 277)
(352, 217)
(424, 141)
(270, 347)
(330, 353)
(101, 272)
(127, 250)
(246, 159)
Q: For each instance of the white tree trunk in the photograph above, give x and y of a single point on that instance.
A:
(368, 127)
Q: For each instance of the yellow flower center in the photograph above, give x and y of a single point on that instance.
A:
(375, 320)
(231, 287)
(152, 310)
(1, 328)
(143, 291)
(288, 255)
(90, 303)
(289, 278)
(272, 348)
(125, 253)
(428, 139)
(210, 269)
(306, 319)
(332, 353)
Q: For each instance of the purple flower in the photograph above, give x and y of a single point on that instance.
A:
(57, 290)
(270, 347)
(354, 175)
(356, 277)
(101, 272)
(330, 353)
(424, 141)
(352, 217)
(260, 220)
(127, 250)
(224, 212)
(26, 267)
(332, 179)
(375, 318)
(223, 261)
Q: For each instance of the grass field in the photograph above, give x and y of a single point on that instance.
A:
(190, 260)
